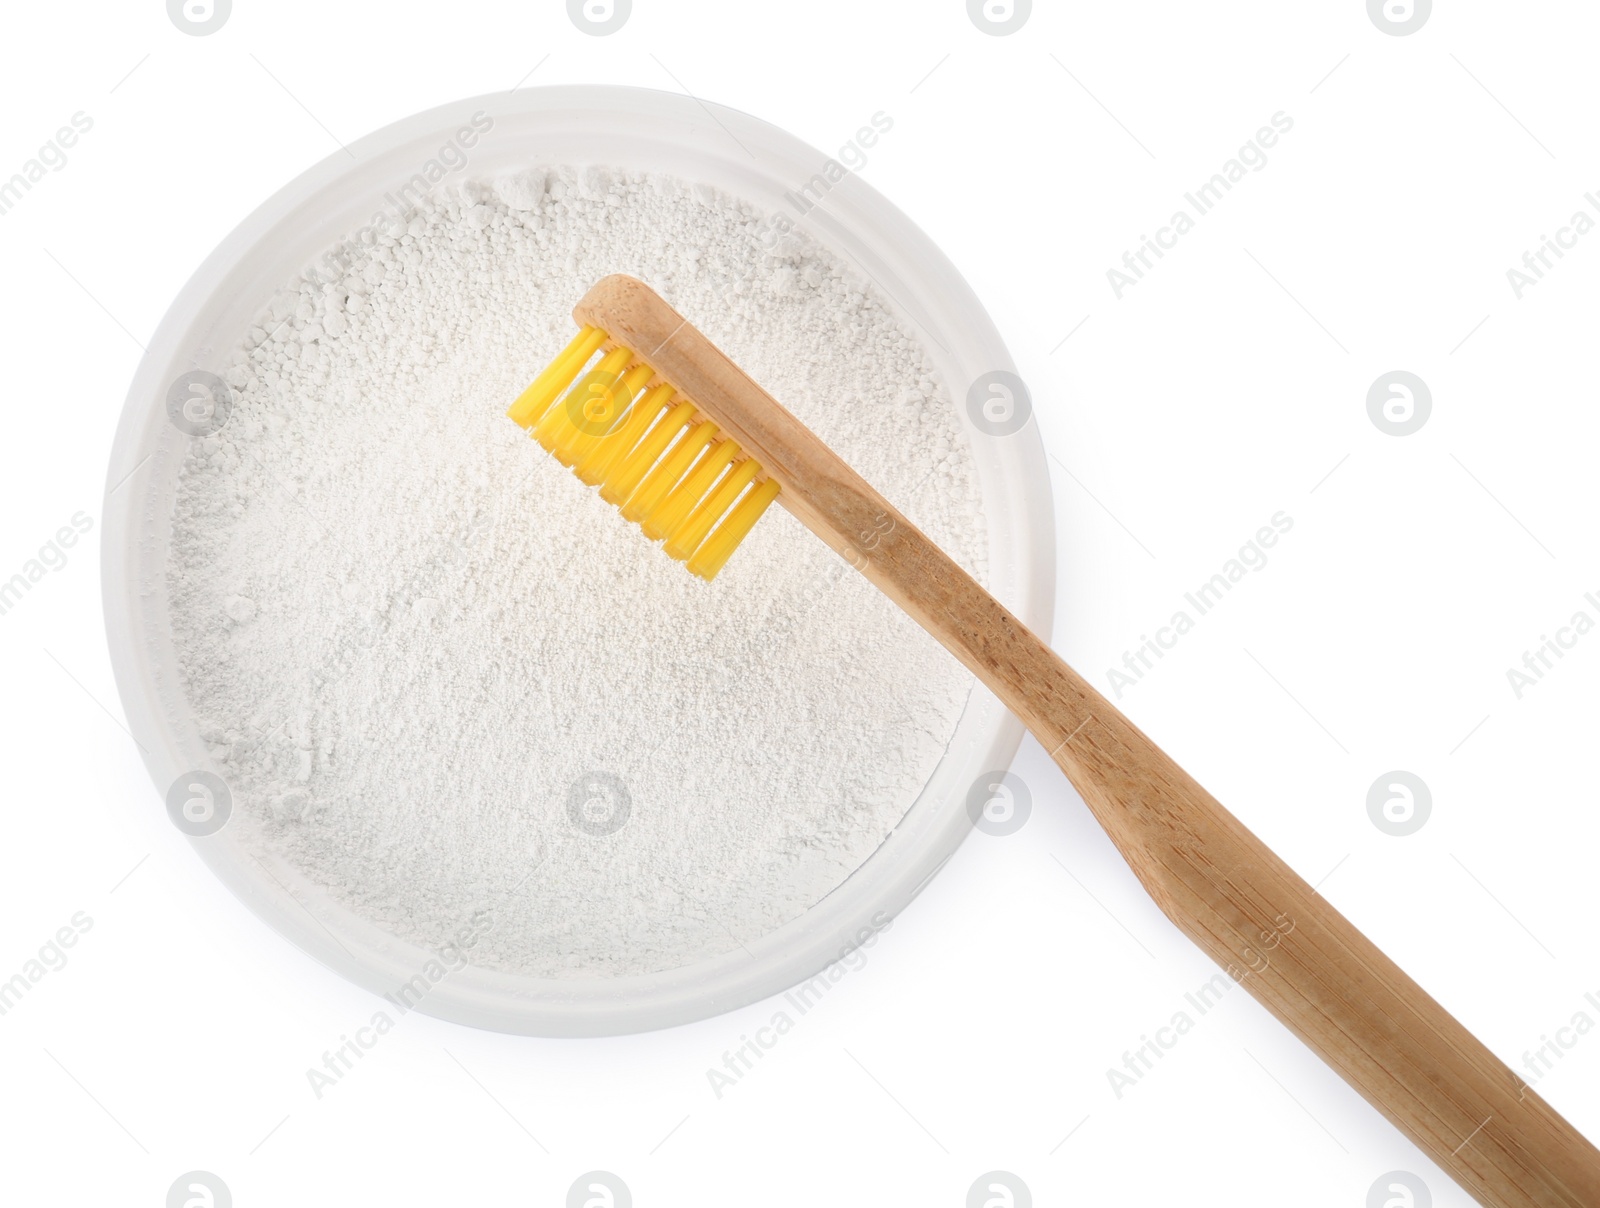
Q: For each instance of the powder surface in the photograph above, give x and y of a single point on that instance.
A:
(449, 684)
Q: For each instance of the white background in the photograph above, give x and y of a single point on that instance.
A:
(1228, 385)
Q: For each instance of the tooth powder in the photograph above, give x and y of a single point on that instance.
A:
(451, 686)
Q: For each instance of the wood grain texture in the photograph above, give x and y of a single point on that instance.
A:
(1221, 885)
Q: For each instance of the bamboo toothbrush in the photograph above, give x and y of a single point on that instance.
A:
(688, 446)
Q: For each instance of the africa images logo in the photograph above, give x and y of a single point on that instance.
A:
(199, 17)
(599, 17)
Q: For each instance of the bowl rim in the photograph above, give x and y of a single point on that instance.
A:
(1012, 472)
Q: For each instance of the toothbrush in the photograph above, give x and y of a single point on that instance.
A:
(693, 450)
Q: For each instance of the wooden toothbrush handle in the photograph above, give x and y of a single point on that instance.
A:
(1222, 886)
(1249, 911)
(1314, 970)
(1252, 914)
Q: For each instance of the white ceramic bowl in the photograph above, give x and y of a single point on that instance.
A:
(638, 129)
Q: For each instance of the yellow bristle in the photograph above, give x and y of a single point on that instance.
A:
(593, 467)
(620, 483)
(718, 548)
(600, 414)
(531, 404)
(671, 511)
(665, 476)
(647, 449)
(687, 537)
(555, 424)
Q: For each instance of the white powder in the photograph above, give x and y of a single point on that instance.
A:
(418, 647)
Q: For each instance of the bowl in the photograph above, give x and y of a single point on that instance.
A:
(636, 129)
